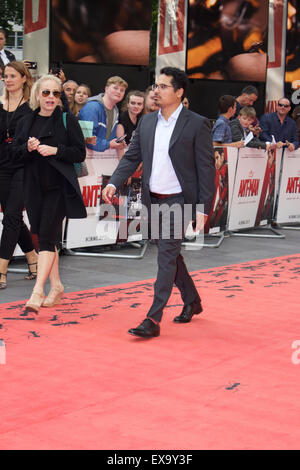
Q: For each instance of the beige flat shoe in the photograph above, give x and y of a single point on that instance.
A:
(54, 297)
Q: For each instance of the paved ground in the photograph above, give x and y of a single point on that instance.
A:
(80, 272)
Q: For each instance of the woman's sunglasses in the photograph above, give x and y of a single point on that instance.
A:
(56, 94)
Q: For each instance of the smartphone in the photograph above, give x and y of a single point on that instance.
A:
(31, 65)
(120, 139)
(56, 71)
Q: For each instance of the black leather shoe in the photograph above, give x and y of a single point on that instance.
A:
(188, 311)
(147, 329)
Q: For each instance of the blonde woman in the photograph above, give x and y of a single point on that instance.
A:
(14, 107)
(49, 149)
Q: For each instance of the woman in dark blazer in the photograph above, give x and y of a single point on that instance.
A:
(49, 150)
(14, 107)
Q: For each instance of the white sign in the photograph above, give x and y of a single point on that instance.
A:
(171, 34)
(251, 167)
(288, 210)
(90, 231)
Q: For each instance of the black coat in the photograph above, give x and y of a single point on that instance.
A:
(71, 149)
(9, 55)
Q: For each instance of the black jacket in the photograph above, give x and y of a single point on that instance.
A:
(71, 149)
(9, 55)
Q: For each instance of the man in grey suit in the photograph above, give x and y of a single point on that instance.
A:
(175, 147)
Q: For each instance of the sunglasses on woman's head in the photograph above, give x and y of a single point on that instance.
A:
(55, 93)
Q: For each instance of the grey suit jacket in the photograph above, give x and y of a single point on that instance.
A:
(191, 152)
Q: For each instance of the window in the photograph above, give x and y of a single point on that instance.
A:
(14, 40)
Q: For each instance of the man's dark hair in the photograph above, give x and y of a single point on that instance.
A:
(179, 78)
(3, 32)
(249, 90)
(226, 102)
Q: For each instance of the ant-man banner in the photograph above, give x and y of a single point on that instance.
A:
(266, 203)
(217, 217)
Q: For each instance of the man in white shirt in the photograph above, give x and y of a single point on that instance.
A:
(175, 146)
(5, 55)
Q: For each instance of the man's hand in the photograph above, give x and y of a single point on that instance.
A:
(108, 193)
(91, 140)
(290, 146)
(270, 145)
(255, 129)
(62, 76)
(114, 145)
(27, 63)
(279, 144)
(200, 222)
(238, 144)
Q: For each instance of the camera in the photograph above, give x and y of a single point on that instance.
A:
(31, 65)
(55, 71)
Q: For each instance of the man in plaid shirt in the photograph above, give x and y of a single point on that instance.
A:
(221, 132)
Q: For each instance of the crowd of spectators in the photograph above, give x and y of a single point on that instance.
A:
(116, 113)
(238, 125)
(237, 117)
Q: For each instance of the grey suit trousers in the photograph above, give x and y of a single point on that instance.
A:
(171, 266)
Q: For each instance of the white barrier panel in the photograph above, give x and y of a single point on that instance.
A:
(90, 231)
(266, 204)
(225, 162)
(171, 34)
(288, 210)
(250, 172)
(232, 157)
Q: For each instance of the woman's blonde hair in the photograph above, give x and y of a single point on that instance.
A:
(34, 101)
(24, 71)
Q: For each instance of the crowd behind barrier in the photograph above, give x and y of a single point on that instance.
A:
(249, 182)
(254, 187)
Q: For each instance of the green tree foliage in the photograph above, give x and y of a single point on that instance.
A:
(10, 11)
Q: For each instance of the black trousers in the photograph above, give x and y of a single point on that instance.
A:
(171, 266)
(12, 203)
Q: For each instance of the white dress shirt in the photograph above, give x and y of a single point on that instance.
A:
(163, 179)
(4, 58)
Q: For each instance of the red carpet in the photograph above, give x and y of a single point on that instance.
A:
(74, 378)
